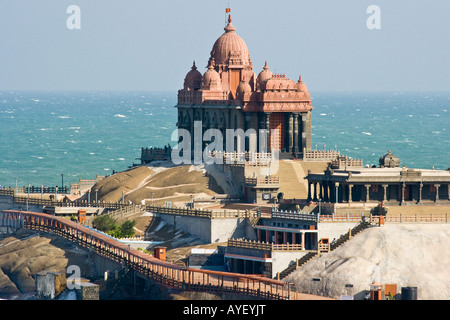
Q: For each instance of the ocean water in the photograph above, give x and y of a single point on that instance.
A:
(82, 134)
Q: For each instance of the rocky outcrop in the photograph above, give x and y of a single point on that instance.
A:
(414, 255)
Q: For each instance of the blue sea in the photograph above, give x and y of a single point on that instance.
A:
(79, 135)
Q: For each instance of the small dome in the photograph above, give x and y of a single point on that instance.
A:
(211, 79)
(230, 45)
(301, 86)
(279, 82)
(389, 161)
(264, 75)
(244, 87)
(193, 79)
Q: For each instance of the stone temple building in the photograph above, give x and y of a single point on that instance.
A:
(230, 95)
(388, 183)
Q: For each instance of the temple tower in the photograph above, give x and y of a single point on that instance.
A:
(229, 95)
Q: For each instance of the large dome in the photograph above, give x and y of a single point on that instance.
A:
(230, 45)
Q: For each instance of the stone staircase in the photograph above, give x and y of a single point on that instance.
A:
(303, 260)
(292, 183)
(310, 255)
(351, 233)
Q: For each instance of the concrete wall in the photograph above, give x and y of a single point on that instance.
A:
(6, 203)
(224, 229)
(199, 227)
(283, 259)
(334, 230)
(211, 230)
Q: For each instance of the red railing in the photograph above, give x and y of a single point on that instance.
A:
(161, 271)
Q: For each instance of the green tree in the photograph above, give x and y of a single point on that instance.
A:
(127, 228)
(115, 232)
(104, 223)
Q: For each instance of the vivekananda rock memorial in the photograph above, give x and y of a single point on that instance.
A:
(230, 95)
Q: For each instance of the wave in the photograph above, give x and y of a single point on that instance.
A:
(119, 115)
(367, 133)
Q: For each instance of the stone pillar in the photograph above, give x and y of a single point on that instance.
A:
(320, 191)
(246, 127)
(260, 127)
(291, 133)
(437, 192)
(384, 192)
(303, 133)
(296, 133)
(336, 185)
(367, 192)
(402, 200)
(267, 127)
(309, 191)
(315, 191)
(350, 187)
(420, 192)
(327, 191)
(303, 240)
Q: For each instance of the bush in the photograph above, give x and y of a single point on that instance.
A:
(108, 224)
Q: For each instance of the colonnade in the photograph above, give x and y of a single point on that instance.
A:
(331, 191)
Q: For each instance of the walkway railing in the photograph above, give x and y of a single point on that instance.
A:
(341, 217)
(264, 246)
(417, 218)
(295, 215)
(248, 158)
(320, 155)
(126, 207)
(163, 272)
(268, 180)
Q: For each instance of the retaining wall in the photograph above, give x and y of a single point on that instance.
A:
(334, 230)
(210, 230)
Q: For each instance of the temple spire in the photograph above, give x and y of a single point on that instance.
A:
(229, 27)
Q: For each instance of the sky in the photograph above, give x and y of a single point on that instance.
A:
(150, 45)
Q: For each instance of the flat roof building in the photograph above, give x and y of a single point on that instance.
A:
(387, 183)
